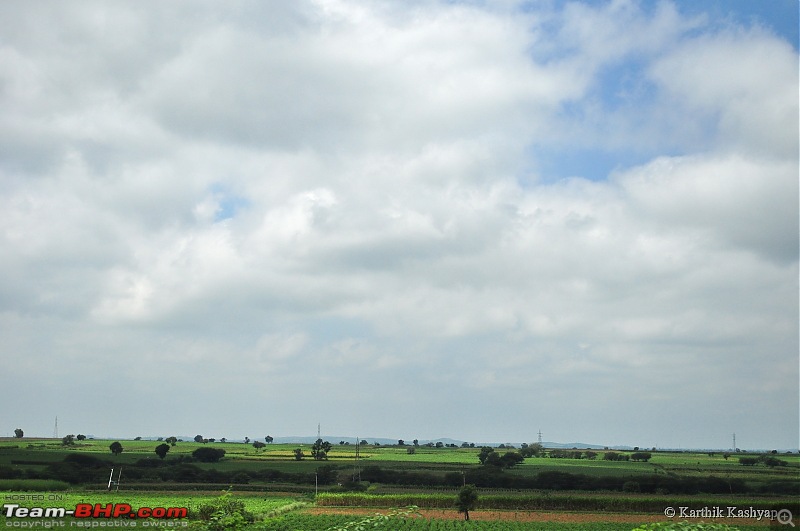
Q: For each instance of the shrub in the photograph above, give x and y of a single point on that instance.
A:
(208, 455)
(225, 513)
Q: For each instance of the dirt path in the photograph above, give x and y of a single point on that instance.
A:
(529, 516)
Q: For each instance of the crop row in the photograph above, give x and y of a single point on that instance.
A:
(543, 502)
(259, 505)
(307, 522)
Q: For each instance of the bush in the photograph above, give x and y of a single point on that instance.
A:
(208, 455)
(631, 486)
(85, 460)
(6, 472)
(225, 513)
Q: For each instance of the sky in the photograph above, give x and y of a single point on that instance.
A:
(416, 219)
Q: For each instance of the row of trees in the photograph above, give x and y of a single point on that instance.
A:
(205, 454)
(200, 439)
(490, 457)
(319, 451)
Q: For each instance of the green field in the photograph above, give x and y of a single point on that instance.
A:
(278, 492)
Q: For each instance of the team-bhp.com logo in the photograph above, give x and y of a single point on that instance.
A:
(97, 510)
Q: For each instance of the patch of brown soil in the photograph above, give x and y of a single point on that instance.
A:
(530, 516)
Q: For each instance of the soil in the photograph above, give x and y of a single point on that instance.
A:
(530, 516)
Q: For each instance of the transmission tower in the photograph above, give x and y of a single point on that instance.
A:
(540, 437)
(55, 430)
(734, 442)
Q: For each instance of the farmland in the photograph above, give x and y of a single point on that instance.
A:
(276, 491)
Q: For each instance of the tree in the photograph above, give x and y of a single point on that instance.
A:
(198, 438)
(269, 439)
(81, 437)
(115, 447)
(208, 455)
(401, 442)
(68, 440)
(18, 433)
(536, 449)
(247, 440)
(415, 442)
(172, 440)
(320, 449)
(258, 445)
(511, 459)
(467, 500)
(298, 454)
(488, 456)
(162, 450)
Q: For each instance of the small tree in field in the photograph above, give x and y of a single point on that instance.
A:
(258, 445)
(298, 454)
(320, 450)
(18, 433)
(115, 447)
(467, 500)
(162, 449)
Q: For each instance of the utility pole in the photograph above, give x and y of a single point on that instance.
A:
(111, 478)
(357, 470)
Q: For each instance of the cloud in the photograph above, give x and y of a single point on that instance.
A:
(743, 82)
(295, 200)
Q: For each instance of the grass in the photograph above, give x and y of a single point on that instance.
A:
(36, 454)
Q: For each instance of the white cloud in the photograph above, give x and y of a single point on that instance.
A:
(296, 197)
(743, 82)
